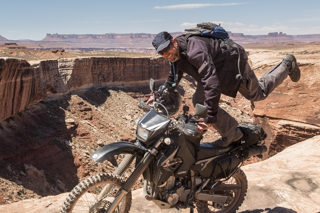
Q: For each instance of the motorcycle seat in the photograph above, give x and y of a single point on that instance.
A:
(207, 150)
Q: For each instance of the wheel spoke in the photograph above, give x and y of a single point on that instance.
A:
(225, 187)
(235, 188)
(85, 196)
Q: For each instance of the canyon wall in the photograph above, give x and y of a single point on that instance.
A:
(23, 84)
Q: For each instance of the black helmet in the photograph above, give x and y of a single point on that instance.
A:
(170, 98)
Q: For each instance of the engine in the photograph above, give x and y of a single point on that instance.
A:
(176, 190)
(173, 191)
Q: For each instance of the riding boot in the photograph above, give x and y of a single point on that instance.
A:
(294, 71)
(235, 136)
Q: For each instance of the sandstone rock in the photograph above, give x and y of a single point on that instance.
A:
(295, 101)
(22, 84)
(287, 182)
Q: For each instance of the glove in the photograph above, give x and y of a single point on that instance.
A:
(162, 89)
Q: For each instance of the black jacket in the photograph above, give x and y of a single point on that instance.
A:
(218, 65)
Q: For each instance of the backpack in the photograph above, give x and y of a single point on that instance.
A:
(212, 30)
(208, 29)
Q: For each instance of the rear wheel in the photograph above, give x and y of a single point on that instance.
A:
(85, 196)
(239, 184)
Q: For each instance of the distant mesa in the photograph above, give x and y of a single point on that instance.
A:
(62, 37)
(275, 34)
(140, 38)
(12, 45)
(141, 42)
(3, 38)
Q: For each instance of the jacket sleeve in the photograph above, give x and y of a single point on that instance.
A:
(200, 58)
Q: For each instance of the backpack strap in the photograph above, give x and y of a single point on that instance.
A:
(231, 44)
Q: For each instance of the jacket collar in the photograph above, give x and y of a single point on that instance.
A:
(182, 43)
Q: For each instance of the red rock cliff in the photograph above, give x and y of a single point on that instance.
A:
(22, 84)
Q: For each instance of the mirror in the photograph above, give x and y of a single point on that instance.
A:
(152, 85)
(200, 111)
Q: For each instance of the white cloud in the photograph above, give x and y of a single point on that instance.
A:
(195, 5)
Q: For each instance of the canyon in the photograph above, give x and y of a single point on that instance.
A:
(56, 112)
(23, 84)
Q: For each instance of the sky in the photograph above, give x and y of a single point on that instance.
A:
(33, 19)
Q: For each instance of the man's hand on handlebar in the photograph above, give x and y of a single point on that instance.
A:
(150, 100)
(203, 126)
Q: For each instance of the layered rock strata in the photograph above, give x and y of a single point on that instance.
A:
(22, 84)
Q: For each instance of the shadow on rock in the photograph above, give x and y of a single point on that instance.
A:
(34, 149)
(94, 96)
(269, 210)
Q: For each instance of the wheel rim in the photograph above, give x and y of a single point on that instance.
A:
(235, 196)
(88, 201)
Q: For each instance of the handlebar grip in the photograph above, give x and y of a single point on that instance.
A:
(142, 105)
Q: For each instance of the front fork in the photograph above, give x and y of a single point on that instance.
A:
(141, 167)
(119, 170)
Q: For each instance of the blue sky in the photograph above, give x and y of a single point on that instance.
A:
(32, 19)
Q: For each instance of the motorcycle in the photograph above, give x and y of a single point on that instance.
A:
(178, 171)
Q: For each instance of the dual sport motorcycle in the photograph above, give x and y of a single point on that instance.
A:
(178, 171)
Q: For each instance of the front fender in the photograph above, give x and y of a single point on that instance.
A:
(116, 148)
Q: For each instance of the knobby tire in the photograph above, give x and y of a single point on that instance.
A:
(89, 183)
(240, 177)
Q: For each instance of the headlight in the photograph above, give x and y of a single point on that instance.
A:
(143, 133)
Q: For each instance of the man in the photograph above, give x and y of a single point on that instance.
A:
(219, 67)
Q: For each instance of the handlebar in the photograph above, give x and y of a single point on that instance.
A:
(155, 105)
(186, 124)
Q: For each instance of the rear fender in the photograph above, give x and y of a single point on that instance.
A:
(123, 147)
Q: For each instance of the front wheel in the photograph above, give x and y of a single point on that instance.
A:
(87, 196)
(237, 185)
